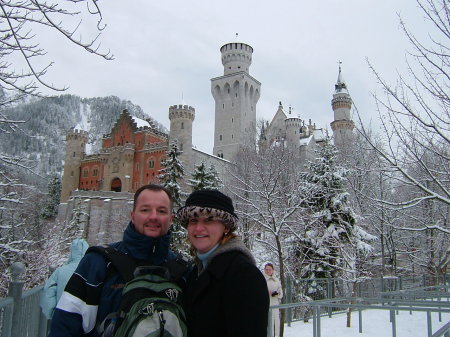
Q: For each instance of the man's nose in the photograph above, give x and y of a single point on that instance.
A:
(152, 213)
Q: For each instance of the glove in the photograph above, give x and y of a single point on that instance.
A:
(274, 293)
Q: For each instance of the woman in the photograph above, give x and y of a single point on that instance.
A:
(275, 294)
(225, 293)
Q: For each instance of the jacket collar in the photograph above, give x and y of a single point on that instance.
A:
(141, 247)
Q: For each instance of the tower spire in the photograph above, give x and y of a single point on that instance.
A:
(340, 85)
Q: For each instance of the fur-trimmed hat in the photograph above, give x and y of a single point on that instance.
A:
(208, 203)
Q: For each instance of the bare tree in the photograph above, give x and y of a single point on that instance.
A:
(23, 26)
(415, 114)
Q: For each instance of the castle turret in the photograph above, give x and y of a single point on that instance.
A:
(341, 103)
(75, 151)
(236, 94)
(181, 118)
(293, 126)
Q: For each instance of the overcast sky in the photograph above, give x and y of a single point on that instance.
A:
(166, 52)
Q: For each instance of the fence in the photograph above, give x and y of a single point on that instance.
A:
(361, 304)
(307, 290)
(20, 313)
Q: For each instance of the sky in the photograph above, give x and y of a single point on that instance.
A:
(166, 52)
(375, 323)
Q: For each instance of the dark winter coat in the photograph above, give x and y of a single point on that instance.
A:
(228, 298)
(95, 289)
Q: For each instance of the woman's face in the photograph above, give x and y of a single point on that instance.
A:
(204, 233)
(268, 270)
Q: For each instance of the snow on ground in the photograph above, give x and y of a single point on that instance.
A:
(375, 323)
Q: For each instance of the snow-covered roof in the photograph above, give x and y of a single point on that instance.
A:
(319, 134)
(140, 122)
(305, 141)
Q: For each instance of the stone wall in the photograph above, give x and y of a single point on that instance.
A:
(107, 214)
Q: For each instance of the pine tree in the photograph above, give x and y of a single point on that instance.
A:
(50, 209)
(203, 177)
(332, 237)
(170, 177)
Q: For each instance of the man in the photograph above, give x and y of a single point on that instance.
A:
(95, 289)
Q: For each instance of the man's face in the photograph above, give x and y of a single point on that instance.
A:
(152, 215)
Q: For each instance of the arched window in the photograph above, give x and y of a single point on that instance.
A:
(85, 172)
(95, 172)
(151, 163)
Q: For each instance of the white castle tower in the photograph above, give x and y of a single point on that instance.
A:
(293, 127)
(181, 118)
(343, 124)
(236, 94)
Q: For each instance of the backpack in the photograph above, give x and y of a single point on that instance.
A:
(150, 305)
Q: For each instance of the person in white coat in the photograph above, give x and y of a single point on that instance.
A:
(275, 294)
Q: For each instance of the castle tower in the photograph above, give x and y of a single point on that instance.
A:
(293, 126)
(342, 125)
(181, 118)
(236, 94)
(75, 151)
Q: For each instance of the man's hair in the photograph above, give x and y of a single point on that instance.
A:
(152, 187)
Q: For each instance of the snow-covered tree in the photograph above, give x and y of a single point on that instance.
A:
(332, 239)
(171, 175)
(50, 209)
(204, 177)
(415, 123)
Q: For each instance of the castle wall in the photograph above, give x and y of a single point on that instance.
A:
(109, 214)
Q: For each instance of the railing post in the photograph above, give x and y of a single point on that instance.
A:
(289, 299)
(329, 296)
(15, 291)
(269, 325)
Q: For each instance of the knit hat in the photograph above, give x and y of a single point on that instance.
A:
(209, 203)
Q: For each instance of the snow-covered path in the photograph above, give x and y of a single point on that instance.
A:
(375, 324)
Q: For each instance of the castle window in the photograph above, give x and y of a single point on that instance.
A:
(71, 173)
(151, 164)
(74, 154)
(85, 172)
(220, 137)
(232, 136)
(229, 88)
(236, 93)
(232, 120)
(182, 125)
(181, 146)
(223, 106)
(95, 172)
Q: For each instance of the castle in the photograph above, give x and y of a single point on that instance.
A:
(132, 153)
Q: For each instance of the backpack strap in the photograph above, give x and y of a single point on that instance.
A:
(177, 268)
(124, 264)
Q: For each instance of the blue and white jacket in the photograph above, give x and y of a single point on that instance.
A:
(91, 295)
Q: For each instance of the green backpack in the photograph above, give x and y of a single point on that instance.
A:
(150, 305)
